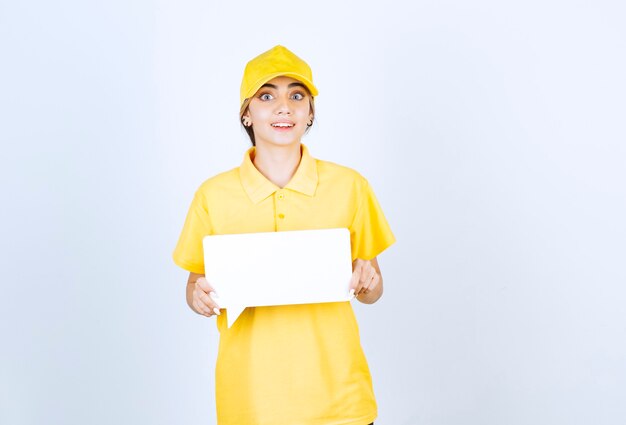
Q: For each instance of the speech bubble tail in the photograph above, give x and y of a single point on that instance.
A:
(233, 312)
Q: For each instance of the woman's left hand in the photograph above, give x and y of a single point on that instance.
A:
(366, 280)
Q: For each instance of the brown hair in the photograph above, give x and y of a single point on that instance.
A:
(250, 131)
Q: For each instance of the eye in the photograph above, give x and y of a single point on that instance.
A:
(298, 96)
(265, 96)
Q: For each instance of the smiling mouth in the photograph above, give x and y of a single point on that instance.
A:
(283, 126)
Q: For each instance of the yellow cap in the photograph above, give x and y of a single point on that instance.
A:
(275, 62)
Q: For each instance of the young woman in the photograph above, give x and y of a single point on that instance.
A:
(294, 364)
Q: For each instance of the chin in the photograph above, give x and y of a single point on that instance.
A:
(279, 141)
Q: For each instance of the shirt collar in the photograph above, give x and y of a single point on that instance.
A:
(258, 187)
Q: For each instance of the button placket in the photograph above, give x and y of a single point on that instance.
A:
(280, 198)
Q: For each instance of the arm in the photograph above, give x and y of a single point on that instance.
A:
(200, 296)
(367, 281)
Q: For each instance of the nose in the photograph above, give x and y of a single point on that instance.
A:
(282, 106)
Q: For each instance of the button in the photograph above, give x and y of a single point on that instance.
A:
(281, 216)
(281, 196)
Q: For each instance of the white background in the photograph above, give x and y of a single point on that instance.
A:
(492, 133)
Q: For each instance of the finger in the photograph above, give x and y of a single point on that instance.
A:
(206, 299)
(354, 280)
(214, 298)
(206, 293)
(375, 282)
(356, 283)
(366, 274)
(357, 265)
(366, 283)
(203, 284)
(207, 310)
(372, 274)
(201, 308)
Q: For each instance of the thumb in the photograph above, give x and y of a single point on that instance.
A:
(354, 280)
(357, 265)
(203, 284)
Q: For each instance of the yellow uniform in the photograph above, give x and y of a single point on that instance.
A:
(296, 364)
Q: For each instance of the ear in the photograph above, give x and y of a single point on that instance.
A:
(246, 120)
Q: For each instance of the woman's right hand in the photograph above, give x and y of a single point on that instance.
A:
(203, 298)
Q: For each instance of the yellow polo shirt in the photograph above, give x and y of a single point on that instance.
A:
(296, 364)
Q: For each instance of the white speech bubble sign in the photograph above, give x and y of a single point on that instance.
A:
(278, 268)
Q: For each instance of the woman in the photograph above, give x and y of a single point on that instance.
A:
(294, 364)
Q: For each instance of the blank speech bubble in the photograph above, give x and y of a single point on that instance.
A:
(278, 268)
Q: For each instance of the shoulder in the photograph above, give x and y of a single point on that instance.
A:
(341, 174)
(217, 187)
(332, 169)
(219, 182)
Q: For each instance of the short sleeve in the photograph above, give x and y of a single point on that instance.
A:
(189, 253)
(370, 233)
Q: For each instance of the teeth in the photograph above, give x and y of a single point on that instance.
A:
(282, 124)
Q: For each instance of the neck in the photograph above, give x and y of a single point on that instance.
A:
(277, 163)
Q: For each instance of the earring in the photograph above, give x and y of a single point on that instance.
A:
(246, 121)
(310, 123)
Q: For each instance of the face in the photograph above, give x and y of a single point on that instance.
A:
(279, 112)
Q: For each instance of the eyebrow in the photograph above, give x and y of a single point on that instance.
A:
(289, 86)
